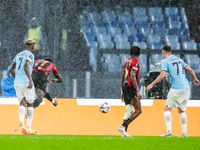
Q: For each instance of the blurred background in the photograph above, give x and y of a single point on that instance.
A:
(89, 40)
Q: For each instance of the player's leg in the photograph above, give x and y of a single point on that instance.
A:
(40, 96)
(21, 112)
(137, 106)
(29, 96)
(48, 96)
(184, 95)
(168, 120)
(129, 110)
(183, 118)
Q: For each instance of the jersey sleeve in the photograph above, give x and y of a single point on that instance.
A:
(135, 65)
(30, 57)
(184, 64)
(164, 65)
(55, 71)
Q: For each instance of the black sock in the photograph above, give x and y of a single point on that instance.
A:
(37, 102)
(126, 123)
(48, 96)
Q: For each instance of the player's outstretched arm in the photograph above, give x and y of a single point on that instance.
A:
(196, 81)
(157, 80)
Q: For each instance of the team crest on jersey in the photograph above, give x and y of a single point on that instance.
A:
(31, 57)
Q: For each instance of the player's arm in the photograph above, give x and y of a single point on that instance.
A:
(58, 78)
(27, 71)
(196, 81)
(134, 82)
(122, 82)
(157, 80)
(12, 69)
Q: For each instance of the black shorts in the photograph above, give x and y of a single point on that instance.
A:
(40, 80)
(129, 93)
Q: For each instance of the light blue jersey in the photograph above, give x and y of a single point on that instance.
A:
(20, 59)
(175, 68)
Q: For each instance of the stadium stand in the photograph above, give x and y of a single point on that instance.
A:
(149, 28)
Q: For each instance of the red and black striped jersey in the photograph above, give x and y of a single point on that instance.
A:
(131, 64)
(45, 66)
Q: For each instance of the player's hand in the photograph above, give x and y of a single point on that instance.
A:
(122, 97)
(196, 82)
(148, 88)
(139, 96)
(50, 80)
(30, 85)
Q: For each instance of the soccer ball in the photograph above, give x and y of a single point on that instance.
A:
(104, 107)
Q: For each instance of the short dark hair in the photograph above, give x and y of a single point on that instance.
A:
(48, 59)
(135, 50)
(167, 49)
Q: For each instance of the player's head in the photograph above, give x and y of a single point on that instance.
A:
(135, 51)
(48, 59)
(30, 44)
(166, 51)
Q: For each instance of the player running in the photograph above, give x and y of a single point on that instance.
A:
(21, 69)
(130, 93)
(41, 71)
(178, 95)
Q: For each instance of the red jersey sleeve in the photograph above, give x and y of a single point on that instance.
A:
(135, 65)
(55, 71)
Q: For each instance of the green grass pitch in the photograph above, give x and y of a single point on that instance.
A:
(83, 142)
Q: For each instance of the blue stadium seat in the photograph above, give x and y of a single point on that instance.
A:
(189, 45)
(141, 45)
(108, 16)
(93, 17)
(155, 58)
(143, 64)
(193, 61)
(171, 11)
(128, 24)
(174, 45)
(142, 24)
(136, 38)
(99, 30)
(153, 38)
(176, 31)
(173, 18)
(161, 31)
(123, 45)
(123, 58)
(104, 41)
(155, 14)
(124, 17)
(139, 14)
(113, 31)
(145, 31)
(130, 30)
(174, 24)
(156, 46)
(171, 38)
(110, 61)
(183, 15)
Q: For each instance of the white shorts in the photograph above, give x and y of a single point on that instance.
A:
(23, 91)
(178, 98)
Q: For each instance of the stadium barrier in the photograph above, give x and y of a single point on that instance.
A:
(82, 117)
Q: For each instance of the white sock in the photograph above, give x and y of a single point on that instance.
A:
(183, 118)
(129, 109)
(168, 119)
(21, 112)
(29, 117)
